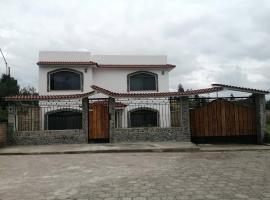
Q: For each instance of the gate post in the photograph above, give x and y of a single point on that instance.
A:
(185, 120)
(260, 116)
(85, 114)
(111, 118)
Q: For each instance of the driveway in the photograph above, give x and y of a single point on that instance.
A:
(200, 175)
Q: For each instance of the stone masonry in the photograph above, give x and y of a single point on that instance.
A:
(154, 134)
(47, 137)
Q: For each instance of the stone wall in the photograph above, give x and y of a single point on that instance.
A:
(47, 137)
(3, 133)
(154, 134)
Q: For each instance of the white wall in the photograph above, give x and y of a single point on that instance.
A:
(115, 79)
(87, 79)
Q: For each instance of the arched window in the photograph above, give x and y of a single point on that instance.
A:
(65, 79)
(143, 117)
(64, 119)
(141, 81)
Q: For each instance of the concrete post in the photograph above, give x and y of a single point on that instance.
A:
(11, 122)
(85, 115)
(111, 118)
(260, 116)
(185, 120)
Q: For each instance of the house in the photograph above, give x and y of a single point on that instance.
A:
(123, 98)
(63, 73)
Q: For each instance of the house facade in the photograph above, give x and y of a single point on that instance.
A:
(66, 73)
(89, 98)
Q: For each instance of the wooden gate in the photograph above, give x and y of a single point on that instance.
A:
(221, 118)
(99, 121)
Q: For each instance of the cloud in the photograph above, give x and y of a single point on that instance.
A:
(209, 41)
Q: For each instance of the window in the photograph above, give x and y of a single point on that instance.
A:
(61, 120)
(140, 81)
(143, 118)
(65, 80)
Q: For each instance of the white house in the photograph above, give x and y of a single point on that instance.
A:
(65, 73)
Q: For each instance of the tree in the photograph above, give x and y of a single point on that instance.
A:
(180, 88)
(8, 86)
(28, 91)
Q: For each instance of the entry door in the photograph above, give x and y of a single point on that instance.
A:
(99, 121)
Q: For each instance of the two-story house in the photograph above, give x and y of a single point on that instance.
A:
(62, 73)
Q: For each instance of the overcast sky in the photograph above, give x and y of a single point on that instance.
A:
(209, 41)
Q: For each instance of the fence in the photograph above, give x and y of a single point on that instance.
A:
(148, 112)
(48, 115)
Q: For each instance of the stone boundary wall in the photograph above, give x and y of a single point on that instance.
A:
(3, 133)
(153, 134)
(47, 137)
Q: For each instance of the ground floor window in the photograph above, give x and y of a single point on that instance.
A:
(62, 120)
(143, 118)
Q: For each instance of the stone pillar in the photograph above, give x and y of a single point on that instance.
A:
(11, 123)
(185, 121)
(260, 116)
(85, 119)
(111, 118)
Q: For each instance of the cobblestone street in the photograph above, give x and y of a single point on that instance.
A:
(139, 176)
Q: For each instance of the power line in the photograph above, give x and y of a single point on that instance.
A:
(7, 67)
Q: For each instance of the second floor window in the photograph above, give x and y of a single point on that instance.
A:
(140, 81)
(65, 80)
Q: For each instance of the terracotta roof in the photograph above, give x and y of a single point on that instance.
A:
(117, 104)
(135, 65)
(241, 89)
(66, 63)
(156, 94)
(47, 97)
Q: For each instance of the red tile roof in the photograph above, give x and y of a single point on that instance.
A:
(241, 89)
(104, 65)
(135, 65)
(66, 63)
(47, 97)
(156, 94)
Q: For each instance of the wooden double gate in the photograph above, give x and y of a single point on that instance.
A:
(222, 119)
(98, 120)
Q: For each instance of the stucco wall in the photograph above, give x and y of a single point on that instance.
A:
(114, 79)
(85, 70)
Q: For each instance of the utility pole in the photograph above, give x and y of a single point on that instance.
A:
(7, 68)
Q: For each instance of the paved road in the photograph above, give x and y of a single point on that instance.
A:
(227, 175)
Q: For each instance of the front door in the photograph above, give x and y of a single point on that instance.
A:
(99, 121)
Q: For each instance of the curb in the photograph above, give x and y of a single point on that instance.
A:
(106, 151)
(163, 150)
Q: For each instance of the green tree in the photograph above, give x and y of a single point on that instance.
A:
(28, 91)
(8, 86)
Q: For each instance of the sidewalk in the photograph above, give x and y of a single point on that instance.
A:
(100, 148)
(127, 147)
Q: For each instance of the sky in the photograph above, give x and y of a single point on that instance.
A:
(209, 41)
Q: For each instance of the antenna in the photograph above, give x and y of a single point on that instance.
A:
(7, 68)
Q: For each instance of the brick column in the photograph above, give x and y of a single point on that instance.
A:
(85, 119)
(260, 116)
(185, 121)
(111, 118)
